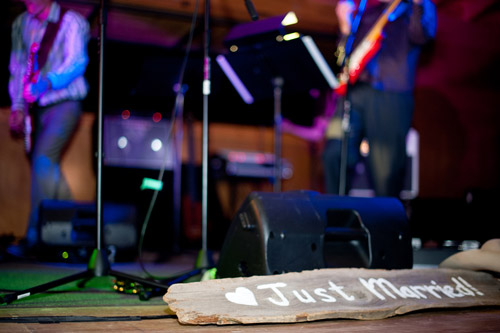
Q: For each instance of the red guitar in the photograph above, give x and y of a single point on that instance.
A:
(365, 51)
(31, 76)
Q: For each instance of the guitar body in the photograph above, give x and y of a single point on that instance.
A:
(365, 51)
(362, 56)
(358, 61)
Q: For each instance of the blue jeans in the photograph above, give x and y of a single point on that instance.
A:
(54, 126)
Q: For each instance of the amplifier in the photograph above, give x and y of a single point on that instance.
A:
(137, 142)
(74, 224)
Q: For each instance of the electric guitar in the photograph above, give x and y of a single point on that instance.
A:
(365, 51)
(31, 76)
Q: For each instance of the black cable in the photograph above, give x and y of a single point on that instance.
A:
(180, 90)
(76, 319)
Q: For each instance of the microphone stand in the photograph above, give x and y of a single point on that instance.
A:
(251, 10)
(346, 103)
(203, 257)
(278, 120)
(346, 127)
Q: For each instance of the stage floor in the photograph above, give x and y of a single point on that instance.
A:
(97, 307)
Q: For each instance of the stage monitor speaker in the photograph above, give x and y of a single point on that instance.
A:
(274, 233)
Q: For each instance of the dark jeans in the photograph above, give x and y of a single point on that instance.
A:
(54, 126)
(383, 118)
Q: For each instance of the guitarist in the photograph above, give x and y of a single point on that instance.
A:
(381, 99)
(51, 96)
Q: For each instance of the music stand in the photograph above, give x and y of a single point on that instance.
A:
(263, 61)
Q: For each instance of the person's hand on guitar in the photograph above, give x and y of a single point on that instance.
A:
(344, 10)
(16, 124)
(33, 91)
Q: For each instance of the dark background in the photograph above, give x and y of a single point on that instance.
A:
(457, 92)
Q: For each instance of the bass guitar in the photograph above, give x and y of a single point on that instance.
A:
(365, 51)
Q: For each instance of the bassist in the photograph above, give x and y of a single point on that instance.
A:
(54, 95)
(381, 98)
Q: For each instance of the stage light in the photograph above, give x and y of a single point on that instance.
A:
(364, 148)
(289, 19)
(291, 36)
(125, 114)
(156, 145)
(122, 142)
(156, 117)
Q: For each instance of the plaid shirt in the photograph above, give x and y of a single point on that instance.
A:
(66, 62)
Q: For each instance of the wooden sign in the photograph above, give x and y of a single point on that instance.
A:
(329, 293)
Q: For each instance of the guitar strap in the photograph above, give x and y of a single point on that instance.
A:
(354, 28)
(41, 58)
(48, 38)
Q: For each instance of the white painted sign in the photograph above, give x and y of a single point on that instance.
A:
(329, 293)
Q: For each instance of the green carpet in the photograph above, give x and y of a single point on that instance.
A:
(98, 291)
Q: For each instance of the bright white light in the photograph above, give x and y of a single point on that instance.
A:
(293, 35)
(122, 142)
(234, 78)
(289, 19)
(364, 148)
(320, 61)
(156, 144)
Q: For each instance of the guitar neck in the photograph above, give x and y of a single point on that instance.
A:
(377, 28)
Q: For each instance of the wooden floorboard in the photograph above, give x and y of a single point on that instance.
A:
(157, 318)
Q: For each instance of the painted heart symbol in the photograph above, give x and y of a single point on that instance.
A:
(243, 296)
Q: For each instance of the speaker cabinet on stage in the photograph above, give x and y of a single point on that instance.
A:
(275, 233)
(68, 224)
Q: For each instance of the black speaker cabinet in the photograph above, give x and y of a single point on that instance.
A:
(275, 233)
(74, 224)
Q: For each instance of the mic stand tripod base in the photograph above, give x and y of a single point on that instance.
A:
(99, 263)
(98, 266)
(204, 260)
